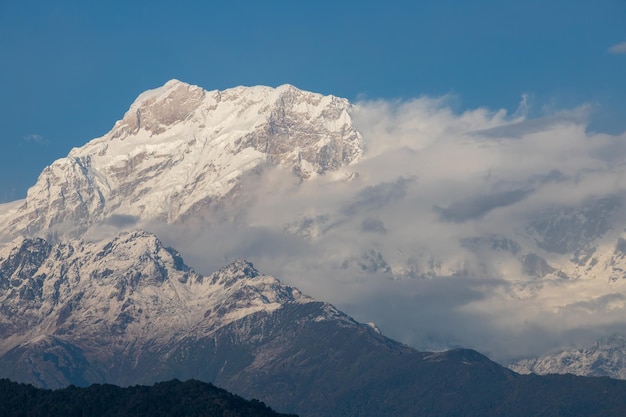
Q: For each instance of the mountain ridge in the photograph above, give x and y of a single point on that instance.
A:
(61, 289)
(605, 357)
(129, 311)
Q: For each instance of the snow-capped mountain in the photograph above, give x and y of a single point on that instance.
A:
(125, 291)
(179, 150)
(283, 176)
(606, 357)
(129, 311)
(129, 297)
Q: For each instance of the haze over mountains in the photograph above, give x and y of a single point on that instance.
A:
(480, 230)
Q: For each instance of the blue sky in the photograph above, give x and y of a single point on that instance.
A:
(70, 69)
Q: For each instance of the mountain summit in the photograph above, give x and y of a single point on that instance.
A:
(180, 149)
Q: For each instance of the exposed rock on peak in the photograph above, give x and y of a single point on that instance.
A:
(20, 260)
(157, 110)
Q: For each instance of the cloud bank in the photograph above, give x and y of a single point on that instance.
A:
(434, 234)
(619, 48)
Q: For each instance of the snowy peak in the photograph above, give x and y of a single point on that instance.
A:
(309, 132)
(130, 288)
(140, 258)
(180, 151)
(604, 358)
(236, 271)
(297, 118)
(248, 290)
(156, 110)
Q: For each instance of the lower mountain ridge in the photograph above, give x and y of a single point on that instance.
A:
(129, 311)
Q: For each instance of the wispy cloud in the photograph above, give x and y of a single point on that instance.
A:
(619, 48)
(478, 206)
(36, 138)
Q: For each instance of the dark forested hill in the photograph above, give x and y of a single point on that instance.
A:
(446, 391)
(173, 398)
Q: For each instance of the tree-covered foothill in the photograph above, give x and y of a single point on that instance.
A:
(166, 399)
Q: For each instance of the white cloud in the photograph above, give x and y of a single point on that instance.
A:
(619, 48)
(36, 138)
(431, 180)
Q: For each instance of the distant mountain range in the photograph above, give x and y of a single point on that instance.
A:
(90, 294)
(605, 357)
(130, 311)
